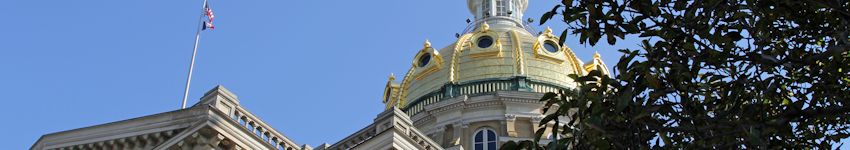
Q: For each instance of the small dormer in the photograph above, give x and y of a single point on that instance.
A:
(597, 64)
(390, 94)
(427, 61)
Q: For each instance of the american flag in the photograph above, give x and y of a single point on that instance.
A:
(209, 13)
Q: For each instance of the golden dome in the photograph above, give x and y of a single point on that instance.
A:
(494, 56)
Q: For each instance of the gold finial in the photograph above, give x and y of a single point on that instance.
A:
(485, 26)
(596, 55)
(392, 77)
(548, 30)
(427, 43)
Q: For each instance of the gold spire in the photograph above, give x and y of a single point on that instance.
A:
(485, 26)
(392, 77)
(596, 64)
(427, 43)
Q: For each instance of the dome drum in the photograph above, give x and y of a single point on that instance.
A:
(480, 87)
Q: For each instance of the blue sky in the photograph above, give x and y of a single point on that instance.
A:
(314, 70)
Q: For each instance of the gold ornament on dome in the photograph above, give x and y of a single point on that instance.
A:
(520, 63)
(538, 49)
(431, 67)
(484, 27)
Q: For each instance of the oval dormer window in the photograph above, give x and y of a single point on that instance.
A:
(550, 46)
(424, 59)
(485, 42)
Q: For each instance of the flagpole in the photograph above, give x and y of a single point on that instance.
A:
(194, 52)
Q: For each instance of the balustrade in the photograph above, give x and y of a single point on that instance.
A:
(478, 88)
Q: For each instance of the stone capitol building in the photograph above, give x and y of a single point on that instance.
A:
(474, 94)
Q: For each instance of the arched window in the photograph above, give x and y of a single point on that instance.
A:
(423, 60)
(485, 139)
(280, 146)
(259, 131)
(243, 122)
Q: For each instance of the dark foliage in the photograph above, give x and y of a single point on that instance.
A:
(709, 74)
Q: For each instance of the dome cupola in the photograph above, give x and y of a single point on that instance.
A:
(498, 12)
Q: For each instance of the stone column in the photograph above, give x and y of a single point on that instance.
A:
(133, 143)
(458, 135)
(510, 125)
(455, 139)
(151, 141)
(182, 145)
(113, 144)
(438, 134)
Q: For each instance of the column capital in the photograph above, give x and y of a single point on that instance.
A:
(510, 117)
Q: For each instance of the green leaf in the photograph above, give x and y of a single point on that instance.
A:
(664, 138)
(548, 15)
(734, 36)
(680, 5)
(786, 102)
(510, 145)
(539, 133)
(630, 28)
(548, 118)
(548, 96)
(622, 104)
(583, 36)
(652, 80)
(602, 144)
(567, 2)
(563, 37)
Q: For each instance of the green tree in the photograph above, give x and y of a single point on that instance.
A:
(720, 74)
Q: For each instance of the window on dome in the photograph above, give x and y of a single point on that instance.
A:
(424, 59)
(485, 41)
(485, 8)
(485, 139)
(501, 8)
(550, 46)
